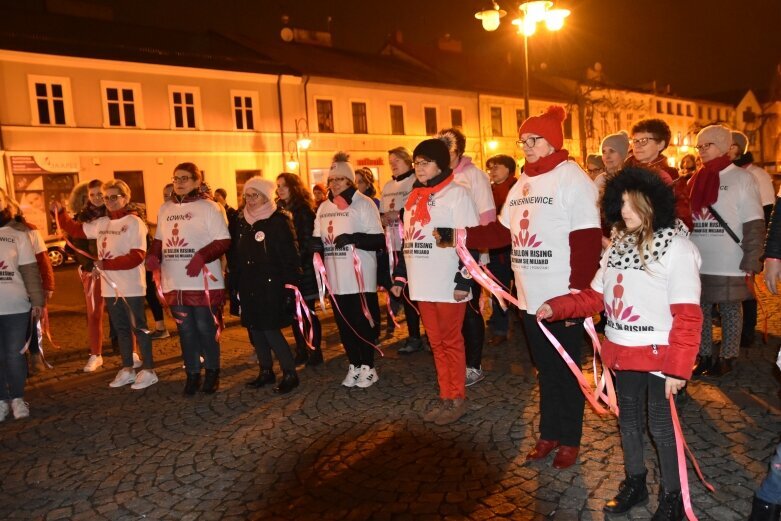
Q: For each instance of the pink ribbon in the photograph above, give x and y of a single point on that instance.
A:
(479, 275)
(301, 305)
(361, 286)
(323, 285)
(207, 275)
(391, 314)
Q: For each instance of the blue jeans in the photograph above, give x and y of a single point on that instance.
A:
(120, 313)
(500, 267)
(197, 333)
(770, 489)
(13, 366)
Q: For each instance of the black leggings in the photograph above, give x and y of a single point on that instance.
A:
(631, 388)
(266, 340)
(151, 297)
(473, 330)
(412, 314)
(359, 351)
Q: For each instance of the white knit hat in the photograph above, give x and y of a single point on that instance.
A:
(263, 186)
(341, 167)
(719, 135)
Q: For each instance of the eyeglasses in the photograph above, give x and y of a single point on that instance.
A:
(99, 197)
(643, 141)
(529, 142)
(250, 197)
(423, 163)
(182, 179)
(336, 179)
(595, 170)
(704, 146)
(113, 198)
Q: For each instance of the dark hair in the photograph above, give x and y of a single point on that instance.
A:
(222, 192)
(504, 160)
(191, 168)
(458, 135)
(299, 195)
(368, 178)
(657, 127)
(95, 183)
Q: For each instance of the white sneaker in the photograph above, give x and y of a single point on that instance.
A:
(352, 376)
(3, 410)
(474, 375)
(94, 362)
(144, 379)
(125, 376)
(20, 408)
(136, 361)
(367, 377)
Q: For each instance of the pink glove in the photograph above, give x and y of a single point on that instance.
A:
(195, 266)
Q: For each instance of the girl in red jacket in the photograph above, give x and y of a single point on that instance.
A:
(649, 287)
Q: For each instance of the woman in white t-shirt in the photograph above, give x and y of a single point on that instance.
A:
(436, 210)
(348, 226)
(121, 242)
(648, 285)
(22, 291)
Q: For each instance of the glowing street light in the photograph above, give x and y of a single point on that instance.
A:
(490, 17)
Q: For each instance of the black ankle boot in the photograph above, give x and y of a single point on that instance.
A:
(764, 511)
(288, 383)
(265, 377)
(722, 367)
(670, 506)
(632, 491)
(211, 382)
(302, 355)
(192, 384)
(704, 363)
(315, 357)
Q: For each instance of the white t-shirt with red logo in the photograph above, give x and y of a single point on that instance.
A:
(431, 270)
(738, 203)
(764, 184)
(540, 212)
(115, 238)
(394, 197)
(637, 301)
(15, 250)
(479, 185)
(362, 216)
(184, 229)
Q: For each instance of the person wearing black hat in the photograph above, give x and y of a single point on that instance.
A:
(437, 211)
(648, 285)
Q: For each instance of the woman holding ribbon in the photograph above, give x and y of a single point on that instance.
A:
(556, 241)
(23, 294)
(437, 210)
(649, 287)
(192, 235)
(348, 232)
(121, 242)
(264, 260)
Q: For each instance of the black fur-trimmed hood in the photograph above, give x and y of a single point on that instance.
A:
(646, 182)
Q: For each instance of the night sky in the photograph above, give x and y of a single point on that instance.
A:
(700, 47)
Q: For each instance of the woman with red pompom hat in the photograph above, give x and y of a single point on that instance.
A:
(554, 223)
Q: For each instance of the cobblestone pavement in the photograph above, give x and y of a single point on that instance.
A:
(327, 452)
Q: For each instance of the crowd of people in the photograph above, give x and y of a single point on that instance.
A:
(656, 252)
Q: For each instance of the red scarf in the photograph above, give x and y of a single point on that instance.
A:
(546, 164)
(705, 183)
(419, 198)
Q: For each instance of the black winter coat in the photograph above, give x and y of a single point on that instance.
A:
(773, 242)
(264, 257)
(304, 223)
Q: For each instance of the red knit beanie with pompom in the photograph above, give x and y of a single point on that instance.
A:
(547, 125)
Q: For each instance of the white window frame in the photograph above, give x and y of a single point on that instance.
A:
(404, 118)
(253, 95)
(184, 89)
(436, 118)
(366, 104)
(67, 100)
(138, 104)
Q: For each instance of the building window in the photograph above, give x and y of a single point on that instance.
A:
(121, 104)
(669, 107)
(244, 105)
(325, 115)
(678, 109)
(397, 119)
(629, 118)
(185, 107)
(568, 127)
(520, 117)
(710, 113)
(658, 107)
(496, 121)
(456, 118)
(430, 117)
(616, 121)
(689, 110)
(51, 101)
(360, 125)
(699, 112)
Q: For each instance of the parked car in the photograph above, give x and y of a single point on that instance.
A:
(59, 252)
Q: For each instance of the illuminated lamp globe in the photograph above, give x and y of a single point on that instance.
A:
(493, 144)
(490, 18)
(554, 19)
(537, 10)
(292, 164)
(304, 143)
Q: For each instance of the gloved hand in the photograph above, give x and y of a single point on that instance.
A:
(290, 303)
(195, 266)
(152, 263)
(344, 239)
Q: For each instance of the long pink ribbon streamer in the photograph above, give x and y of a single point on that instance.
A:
(207, 275)
(680, 445)
(322, 282)
(361, 287)
(301, 306)
(479, 275)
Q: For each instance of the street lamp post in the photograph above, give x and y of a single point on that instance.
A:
(533, 13)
